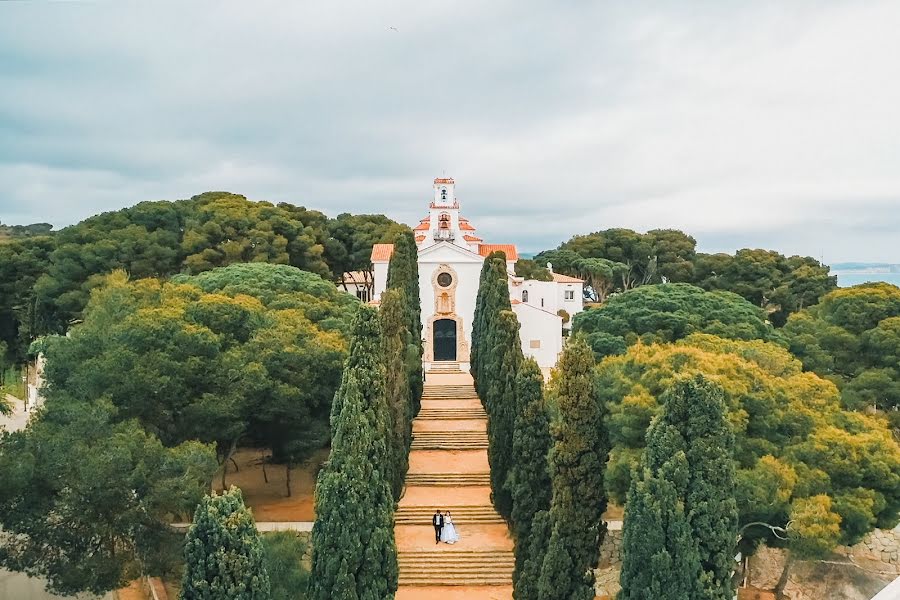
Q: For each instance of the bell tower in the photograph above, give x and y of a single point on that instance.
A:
(444, 193)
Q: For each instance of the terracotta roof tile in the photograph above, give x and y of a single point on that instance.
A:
(509, 249)
(558, 278)
(464, 225)
(382, 252)
(472, 238)
(443, 180)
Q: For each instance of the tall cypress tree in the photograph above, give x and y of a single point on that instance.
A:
(688, 471)
(501, 398)
(659, 554)
(354, 553)
(492, 298)
(223, 554)
(403, 274)
(397, 390)
(529, 478)
(577, 464)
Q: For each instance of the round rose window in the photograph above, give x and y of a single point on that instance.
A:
(444, 279)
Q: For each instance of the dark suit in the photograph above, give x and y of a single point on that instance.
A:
(438, 521)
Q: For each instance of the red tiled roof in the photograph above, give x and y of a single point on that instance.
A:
(472, 238)
(464, 225)
(557, 278)
(443, 180)
(423, 225)
(419, 238)
(382, 252)
(509, 249)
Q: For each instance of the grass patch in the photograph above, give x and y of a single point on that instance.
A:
(11, 382)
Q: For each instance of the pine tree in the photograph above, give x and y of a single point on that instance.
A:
(493, 297)
(403, 274)
(223, 553)
(397, 390)
(577, 464)
(681, 511)
(501, 398)
(354, 553)
(529, 478)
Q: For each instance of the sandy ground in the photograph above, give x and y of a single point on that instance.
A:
(448, 378)
(269, 501)
(18, 419)
(443, 496)
(471, 537)
(448, 461)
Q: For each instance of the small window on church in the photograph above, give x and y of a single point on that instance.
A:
(570, 294)
(524, 295)
(444, 279)
(534, 344)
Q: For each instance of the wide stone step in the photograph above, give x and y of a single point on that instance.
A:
(448, 479)
(449, 440)
(470, 567)
(421, 515)
(448, 414)
(449, 391)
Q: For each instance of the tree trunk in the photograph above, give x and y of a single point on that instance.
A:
(265, 475)
(228, 456)
(783, 580)
(234, 462)
(287, 478)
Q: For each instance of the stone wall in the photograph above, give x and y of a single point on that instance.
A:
(853, 573)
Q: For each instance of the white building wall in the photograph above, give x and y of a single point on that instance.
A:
(380, 272)
(540, 333)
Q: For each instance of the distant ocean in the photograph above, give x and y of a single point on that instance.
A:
(851, 279)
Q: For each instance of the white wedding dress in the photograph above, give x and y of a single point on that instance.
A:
(448, 533)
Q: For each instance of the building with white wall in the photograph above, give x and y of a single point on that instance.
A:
(450, 257)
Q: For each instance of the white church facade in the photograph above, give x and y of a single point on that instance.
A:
(450, 257)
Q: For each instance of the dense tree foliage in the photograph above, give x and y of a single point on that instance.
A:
(681, 514)
(782, 285)
(492, 298)
(223, 554)
(86, 496)
(793, 441)
(8, 232)
(852, 337)
(531, 269)
(529, 478)
(354, 554)
(666, 313)
(250, 351)
(45, 281)
(627, 259)
(399, 396)
(283, 552)
(403, 275)
(577, 464)
(502, 369)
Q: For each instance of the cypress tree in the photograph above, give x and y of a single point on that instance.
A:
(493, 297)
(222, 552)
(403, 274)
(659, 555)
(501, 398)
(397, 390)
(354, 554)
(529, 479)
(682, 508)
(577, 464)
(526, 584)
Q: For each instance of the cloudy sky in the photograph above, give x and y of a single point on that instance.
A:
(746, 124)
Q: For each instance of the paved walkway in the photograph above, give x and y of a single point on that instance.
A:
(18, 419)
(448, 470)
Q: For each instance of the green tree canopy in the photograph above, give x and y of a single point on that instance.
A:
(86, 497)
(249, 351)
(666, 313)
(792, 438)
(223, 554)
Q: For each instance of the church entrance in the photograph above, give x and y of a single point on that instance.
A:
(445, 339)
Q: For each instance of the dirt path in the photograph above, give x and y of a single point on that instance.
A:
(454, 478)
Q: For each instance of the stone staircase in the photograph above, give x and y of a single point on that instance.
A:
(456, 568)
(449, 471)
(445, 367)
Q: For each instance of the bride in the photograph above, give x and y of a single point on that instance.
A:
(448, 533)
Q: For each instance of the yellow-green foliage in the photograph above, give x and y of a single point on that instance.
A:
(793, 439)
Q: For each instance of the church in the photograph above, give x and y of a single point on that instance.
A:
(450, 256)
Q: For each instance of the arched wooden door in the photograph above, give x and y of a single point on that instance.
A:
(445, 339)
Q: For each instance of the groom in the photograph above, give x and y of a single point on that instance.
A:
(438, 521)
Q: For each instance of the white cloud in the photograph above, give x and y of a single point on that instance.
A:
(761, 124)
